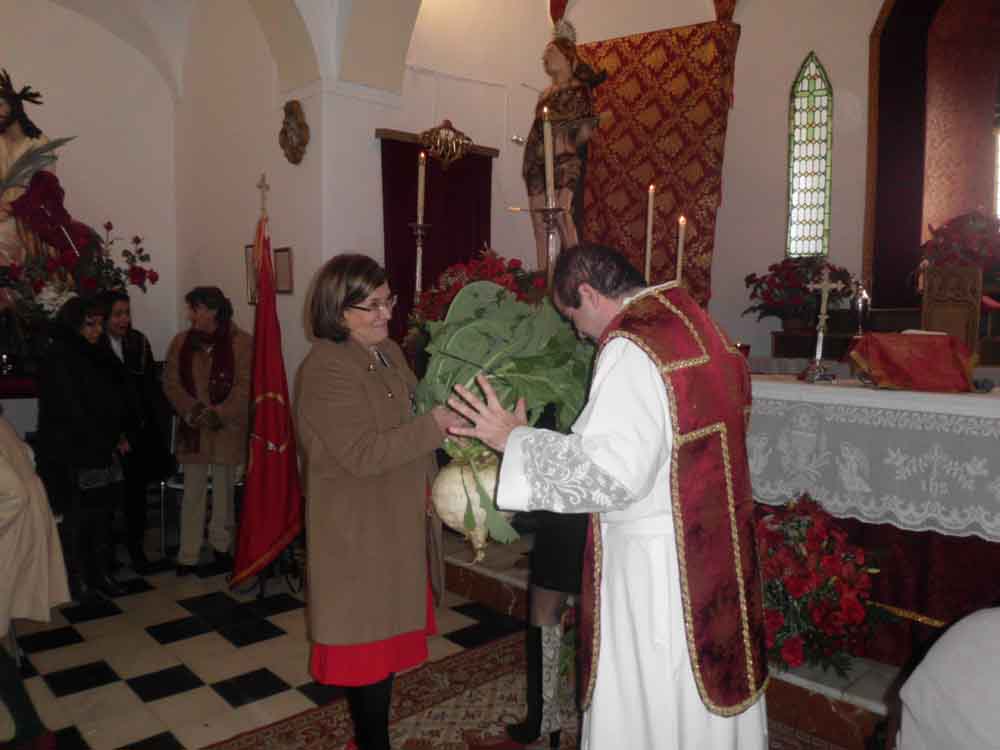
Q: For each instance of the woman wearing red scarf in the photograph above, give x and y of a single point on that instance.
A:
(207, 380)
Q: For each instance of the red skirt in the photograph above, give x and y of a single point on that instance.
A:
(368, 663)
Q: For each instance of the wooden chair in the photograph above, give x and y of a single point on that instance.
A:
(952, 299)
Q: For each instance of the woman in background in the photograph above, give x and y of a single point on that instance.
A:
(368, 460)
(84, 421)
(149, 460)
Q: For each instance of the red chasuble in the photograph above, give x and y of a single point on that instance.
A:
(708, 389)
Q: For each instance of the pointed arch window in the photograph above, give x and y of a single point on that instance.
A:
(810, 141)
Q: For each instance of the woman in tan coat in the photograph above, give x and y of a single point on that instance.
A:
(207, 381)
(368, 461)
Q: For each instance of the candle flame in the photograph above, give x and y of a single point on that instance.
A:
(682, 220)
(652, 188)
(423, 156)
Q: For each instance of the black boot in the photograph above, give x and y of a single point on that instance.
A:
(529, 730)
(369, 707)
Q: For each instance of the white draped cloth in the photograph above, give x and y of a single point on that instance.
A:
(951, 699)
(34, 574)
(616, 462)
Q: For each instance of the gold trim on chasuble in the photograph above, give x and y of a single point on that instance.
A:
(679, 440)
(595, 641)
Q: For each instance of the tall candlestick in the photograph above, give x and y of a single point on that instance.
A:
(649, 232)
(421, 175)
(681, 230)
(550, 170)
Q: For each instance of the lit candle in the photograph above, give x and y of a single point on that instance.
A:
(550, 170)
(421, 175)
(649, 231)
(681, 229)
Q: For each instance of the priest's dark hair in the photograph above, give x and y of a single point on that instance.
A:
(212, 298)
(16, 100)
(344, 281)
(603, 268)
(75, 311)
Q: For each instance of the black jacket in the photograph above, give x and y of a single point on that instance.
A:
(150, 456)
(84, 405)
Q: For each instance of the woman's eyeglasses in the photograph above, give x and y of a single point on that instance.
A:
(386, 305)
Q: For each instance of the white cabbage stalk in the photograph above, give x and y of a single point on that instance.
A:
(455, 494)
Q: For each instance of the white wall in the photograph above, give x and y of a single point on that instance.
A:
(120, 167)
(227, 135)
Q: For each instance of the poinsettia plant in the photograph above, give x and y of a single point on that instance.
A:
(783, 292)
(434, 301)
(972, 239)
(817, 588)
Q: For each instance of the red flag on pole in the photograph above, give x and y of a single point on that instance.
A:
(271, 516)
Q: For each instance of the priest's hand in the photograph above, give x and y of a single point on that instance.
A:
(491, 423)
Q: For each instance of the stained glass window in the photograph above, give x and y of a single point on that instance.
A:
(810, 138)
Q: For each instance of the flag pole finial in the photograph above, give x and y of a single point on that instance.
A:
(264, 188)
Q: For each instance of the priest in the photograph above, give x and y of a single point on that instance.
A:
(672, 639)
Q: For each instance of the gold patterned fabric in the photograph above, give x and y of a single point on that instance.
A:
(668, 95)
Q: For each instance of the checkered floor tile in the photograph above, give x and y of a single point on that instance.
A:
(185, 662)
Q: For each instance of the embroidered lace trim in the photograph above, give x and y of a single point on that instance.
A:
(564, 479)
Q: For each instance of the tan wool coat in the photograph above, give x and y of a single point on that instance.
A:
(367, 462)
(229, 444)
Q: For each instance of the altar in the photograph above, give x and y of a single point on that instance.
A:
(915, 475)
(919, 461)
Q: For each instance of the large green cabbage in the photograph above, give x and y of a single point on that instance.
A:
(527, 351)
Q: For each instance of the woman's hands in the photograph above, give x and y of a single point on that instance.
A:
(445, 419)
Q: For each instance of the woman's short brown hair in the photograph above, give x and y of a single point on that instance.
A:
(343, 281)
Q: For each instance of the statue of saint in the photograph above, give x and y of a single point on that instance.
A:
(571, 112)
(18, 136)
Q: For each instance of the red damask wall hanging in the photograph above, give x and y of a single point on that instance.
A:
(668, 94)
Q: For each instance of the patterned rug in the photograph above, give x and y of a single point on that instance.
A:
(442, 705)
(450, 705)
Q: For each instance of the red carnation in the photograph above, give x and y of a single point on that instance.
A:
(513, 264)
(539, 282)
(793, 651)
(108, 226)
(137, 275)
(152, 277)
(774, 621)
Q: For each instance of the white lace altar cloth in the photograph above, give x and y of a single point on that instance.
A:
(919, 461)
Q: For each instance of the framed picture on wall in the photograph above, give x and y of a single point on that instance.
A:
(251, 276)
(283, 276)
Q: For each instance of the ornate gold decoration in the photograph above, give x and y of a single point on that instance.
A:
(446, 143)
(294, 135)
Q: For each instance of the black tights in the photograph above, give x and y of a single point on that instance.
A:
(369, 706)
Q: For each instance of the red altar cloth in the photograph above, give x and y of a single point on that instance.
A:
(914, 362)
(940, 577)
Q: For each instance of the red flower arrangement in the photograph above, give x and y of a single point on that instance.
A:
(69, 257)
(817, 588)
(783, 292)
(488, 266)
(972, 239)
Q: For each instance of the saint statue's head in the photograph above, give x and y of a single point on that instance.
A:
(12, 106)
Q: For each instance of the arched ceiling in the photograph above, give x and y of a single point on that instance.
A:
(159, 29)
